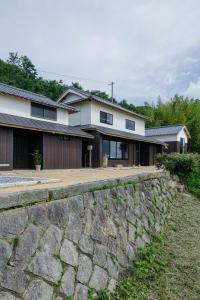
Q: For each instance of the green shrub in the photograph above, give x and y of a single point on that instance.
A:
(193, 183)
(178, 164)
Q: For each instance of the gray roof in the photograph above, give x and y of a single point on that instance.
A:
(26, 123)
(164, 130)
(86, 95)
(121, 134)
(11, 90)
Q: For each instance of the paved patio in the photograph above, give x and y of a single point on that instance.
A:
(71, 176)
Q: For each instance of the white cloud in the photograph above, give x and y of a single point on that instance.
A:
(193, 89)
(145, 46)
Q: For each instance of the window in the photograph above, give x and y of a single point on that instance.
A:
(44, 112)
(106, 118)
(130, 124)
(115, 149)
(182, 145)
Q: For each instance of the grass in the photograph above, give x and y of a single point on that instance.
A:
(169, 268)
(15, 243)
(193, 183)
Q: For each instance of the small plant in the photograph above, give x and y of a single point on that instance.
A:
(37, 159)
(99, 295)
(57, 256)
(15, 243)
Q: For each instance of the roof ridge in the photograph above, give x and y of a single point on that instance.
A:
(175, 125)
(20, 89)
(117, 105)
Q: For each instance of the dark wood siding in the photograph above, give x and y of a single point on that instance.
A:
(144, 154)
(61, 152)
(25, 142)
(173, 147)
(6, 148)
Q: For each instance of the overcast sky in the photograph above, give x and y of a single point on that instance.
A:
(147, 47)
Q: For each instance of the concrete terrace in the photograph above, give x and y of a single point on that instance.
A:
(67, 177)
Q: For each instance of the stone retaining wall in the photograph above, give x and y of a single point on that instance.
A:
(61, 242)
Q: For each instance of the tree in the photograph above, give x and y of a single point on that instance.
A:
(13, 59)
(27, 66)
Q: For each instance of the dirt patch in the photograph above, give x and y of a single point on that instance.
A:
(72, 176)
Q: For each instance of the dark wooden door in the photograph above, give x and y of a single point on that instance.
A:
(20, 150)
(6, 148)
(137, 154)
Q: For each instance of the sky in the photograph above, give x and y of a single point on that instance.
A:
(147, 47)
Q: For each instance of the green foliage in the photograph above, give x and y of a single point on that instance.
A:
(15, 243)
(178, 164)
(193, 183)
(99, 295)
(37, 157)
(20, 72)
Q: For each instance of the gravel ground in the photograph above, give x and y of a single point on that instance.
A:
(58, 178)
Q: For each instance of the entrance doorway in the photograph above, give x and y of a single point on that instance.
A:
(24, 142)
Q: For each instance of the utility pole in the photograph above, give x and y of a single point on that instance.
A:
(111, 84)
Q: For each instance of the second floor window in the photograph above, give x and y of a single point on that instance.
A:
(44, 112)
(130, 124)
(106, 118)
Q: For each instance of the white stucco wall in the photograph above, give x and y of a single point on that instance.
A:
(83, 117)
(119, 118)
(22, 108)
(182, 134)
(90, 114)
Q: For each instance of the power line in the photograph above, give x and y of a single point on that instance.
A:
(73, 77)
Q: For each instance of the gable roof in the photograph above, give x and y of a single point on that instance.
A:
(166, 130)
(37, 98)
(88, 96)
(44, 126)
(121, 134)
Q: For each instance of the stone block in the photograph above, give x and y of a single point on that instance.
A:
(113, 267)
(81, 292)
(46, 266)
(84, 269)
(13, 222)
(88, 200)
(28, 243)
(99, 279)
(86, 244)
(13, 279)
(38, 290)
(51, 240)
(69, 253)
(38, 215)
(112, 284)
(5, 253)
(88, 221)
(73, 227)
(56, 211)
(68, 281)
(100, 255)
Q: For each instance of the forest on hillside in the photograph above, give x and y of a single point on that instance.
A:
(20, 71)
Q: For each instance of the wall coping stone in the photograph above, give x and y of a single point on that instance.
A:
(27, 198)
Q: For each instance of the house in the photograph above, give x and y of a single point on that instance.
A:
(175, 136)
(29, 121)
(118, 133)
